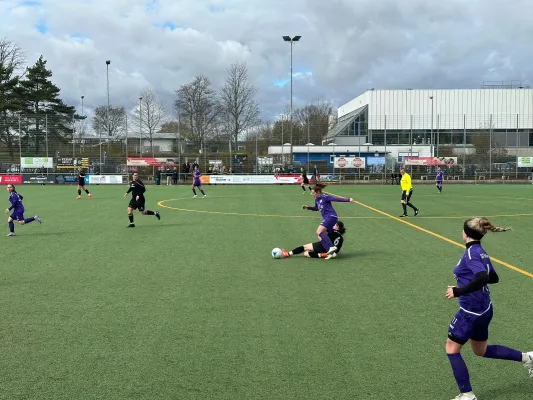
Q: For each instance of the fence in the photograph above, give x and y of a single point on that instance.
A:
(491, 152)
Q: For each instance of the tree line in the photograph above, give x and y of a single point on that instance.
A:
(199, 113)
(30, 104)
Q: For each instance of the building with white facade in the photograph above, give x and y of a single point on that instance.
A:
(436, 117)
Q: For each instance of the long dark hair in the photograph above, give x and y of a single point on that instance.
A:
(318, 187)
(14, 190)
(341, 229)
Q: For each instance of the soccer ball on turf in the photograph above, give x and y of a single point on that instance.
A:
(276, 252)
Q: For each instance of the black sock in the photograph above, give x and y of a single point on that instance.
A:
(86, 191)
(194, 191)
(410, 205)
(130, 216)
(298, 250)
(404, 209)
(202, 190)
(148, 212)
(79, 192)
(303, 188)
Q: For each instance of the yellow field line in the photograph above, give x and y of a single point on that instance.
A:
(403, 221)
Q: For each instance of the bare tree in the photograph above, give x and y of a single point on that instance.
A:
(12, 61)
(197, 108)
(112, 125)
(149, 114)
(314, 120)
(239, 109)
(11, 56)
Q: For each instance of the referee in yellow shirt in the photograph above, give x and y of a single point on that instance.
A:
(407, 192)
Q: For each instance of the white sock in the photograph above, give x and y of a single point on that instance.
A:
(525, 357)
(290, 254)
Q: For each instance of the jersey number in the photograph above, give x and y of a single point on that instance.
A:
(336, 241)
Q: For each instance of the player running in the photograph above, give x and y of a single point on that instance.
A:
(18, 210)
(137, 201)
(81, 183)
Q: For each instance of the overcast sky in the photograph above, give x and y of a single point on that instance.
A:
(347, 46)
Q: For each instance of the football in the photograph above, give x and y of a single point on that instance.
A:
(276, 252)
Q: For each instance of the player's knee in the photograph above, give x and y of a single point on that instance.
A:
(480, 352)
(306, 253)
(22, 222)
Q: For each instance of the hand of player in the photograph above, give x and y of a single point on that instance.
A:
(449, 292)
(6, 211)
(352, 200)
(125, 194)
(137, 198)
(304, 207)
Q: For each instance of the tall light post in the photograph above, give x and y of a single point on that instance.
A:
(107, 73)
(140, 127)
(291, 41)
(431, 140)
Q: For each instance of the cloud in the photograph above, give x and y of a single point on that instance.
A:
(346, 46)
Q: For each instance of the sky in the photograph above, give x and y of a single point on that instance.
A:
(347, 46)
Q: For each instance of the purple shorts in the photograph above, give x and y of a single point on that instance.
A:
(329, 222)
(197, 183)
(465, 326)
(17, 216)
(439, 182)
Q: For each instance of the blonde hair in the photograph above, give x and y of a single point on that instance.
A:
(482, 225)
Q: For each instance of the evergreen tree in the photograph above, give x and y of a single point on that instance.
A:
(9, 105)
(43, 109)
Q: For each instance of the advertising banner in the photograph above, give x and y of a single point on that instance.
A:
(349, 162)
(525, 162)
(72, 162)
(280, 179)
(10, 179)
(37, 162)
(106, 179)
(68, 179)
(38, 178)
(431, 161)
(151, 162)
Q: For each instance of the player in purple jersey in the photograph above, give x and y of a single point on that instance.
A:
(196, 182)
(473, 273)
(329, 215)
(439, 179)
(316, 250)
(17, 209)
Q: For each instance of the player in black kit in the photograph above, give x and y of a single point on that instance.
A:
(316, 250)
(81, 184)
(137, 201)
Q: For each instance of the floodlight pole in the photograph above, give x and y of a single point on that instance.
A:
(140, 127)
(291, 40)
(108, 104)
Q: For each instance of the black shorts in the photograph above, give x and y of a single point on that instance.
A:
(407, 196)
(306, 181)
(81, 182)
(318, 248)
(137, 205)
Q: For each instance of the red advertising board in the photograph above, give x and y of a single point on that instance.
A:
(151, 162)
(431, 161)
(11, 179)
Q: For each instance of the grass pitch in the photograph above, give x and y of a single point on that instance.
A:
(194, 307)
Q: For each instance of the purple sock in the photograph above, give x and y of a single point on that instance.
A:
(503, 353)
(460, 372)
(326, 241)
(28, 220)
(11, 227)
